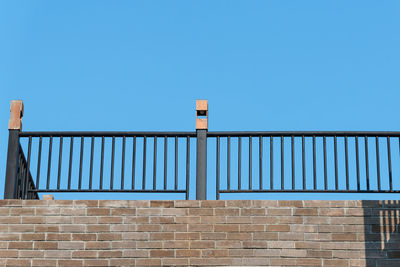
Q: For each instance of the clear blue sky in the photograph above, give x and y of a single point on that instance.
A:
(140, 65)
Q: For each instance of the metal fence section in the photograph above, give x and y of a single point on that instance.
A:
(306, 162)
(88, 161)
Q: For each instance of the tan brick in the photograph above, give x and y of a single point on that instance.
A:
(47, 211)
(123, 211)
(265, 203)
(238, 203)
(344, 237)
(255, 244)
(97, 228)
(148, 262)
(162, 203)
(97, 245)
(201, 211)
(187, 204)
(123, 227)
(282, 262)
(72, 211)
(162, 236)
(84, 220)
(174, 227)
(58, 254)
(264, 220)
(267, 252)
(305, 212)
(20, 245)
(122, 262)
(33, 219)
(281, 244)
(59, 219)
(135, 236)
(109, 236)
(252, 228)
(72, 228)
(278, 228)
(18, 262)
(123, 244)
(213, 236)
(8, 253)
(32, 237)
(212, 203)
(227, 212)
(252, 212)
(189, 253)
(317, 203)
(308, 244)
(294, 253)
(238, 236)
(14, 237)
(70, 262)
(93, 262)
(175, 262)
(161, 253)
(162, 219)
(176, 244)
(47, 228)
(58, 237)
(45, 245)
(290, 203)
(202, 244)
(84, 254)
(30, 254)
(98, 212)
(309, 262)
(241, 252)
(75, 245)
(228, 244)
(83, 237)
(21, 228)
(214, 253)
(280, 212)
(86, 203)
(10, 219)
(118, 203)
(175, 212)
(189, 219)
(187, 236)
(200, 227)
(215, 261)
(22, 211)
(110, 254)
(149, 244)
(211, 219)
(44, 262)
(226, 228)
(291, 236)
(148, 211)
(238, 219)
(266, 236)
(319, 254)
(335, 263)
(136, 253)
(149, 228)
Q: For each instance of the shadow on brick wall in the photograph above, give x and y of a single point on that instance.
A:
(382, 232)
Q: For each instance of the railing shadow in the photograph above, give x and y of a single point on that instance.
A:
(382, 232)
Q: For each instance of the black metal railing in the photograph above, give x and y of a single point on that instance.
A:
(160, 162)
(317, 162)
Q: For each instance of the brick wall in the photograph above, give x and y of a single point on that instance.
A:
(241, 232)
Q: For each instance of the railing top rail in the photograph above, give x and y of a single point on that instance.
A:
(304, 133)
(105, 134)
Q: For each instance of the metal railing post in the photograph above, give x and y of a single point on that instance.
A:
(14, 127)
(201, 159)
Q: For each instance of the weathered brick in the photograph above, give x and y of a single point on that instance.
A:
(162, 203)
(109, 236)
(83, 237)
(161, 253)
(20, 245)
(97, 262)
(44, 262)
(98, 212)
(110, 254)
(202, 244)
(75, 245)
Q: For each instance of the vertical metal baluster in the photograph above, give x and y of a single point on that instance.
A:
(260, 154)
(123, 163)
(389, 163)
(304, 161)
(102, 162)
(112, 163)
(314, 164)
(165, 161)
(81, 163)
(293, 166)
(271, 162)
(250, 163)
(27, 180)
(71, 150)
(49, 163)
(176, 163)
(240, 163)
(144, 163)
(91, 162)
(187, 166)
(39, 160)
(282, 165)
(357, 165)
(378, 173)
(155, 163)
(366, 161)
(228, 171)
(325, 170)
(217, 170)
(336, 165)
(59, 163)
(347, 163)
(133, 162)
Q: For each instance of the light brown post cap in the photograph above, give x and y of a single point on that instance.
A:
(202, 112)
(47, 197)
(16, 114)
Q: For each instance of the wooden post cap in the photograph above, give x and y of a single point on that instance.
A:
(47, 197)
(201, 115)
(16, 114)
